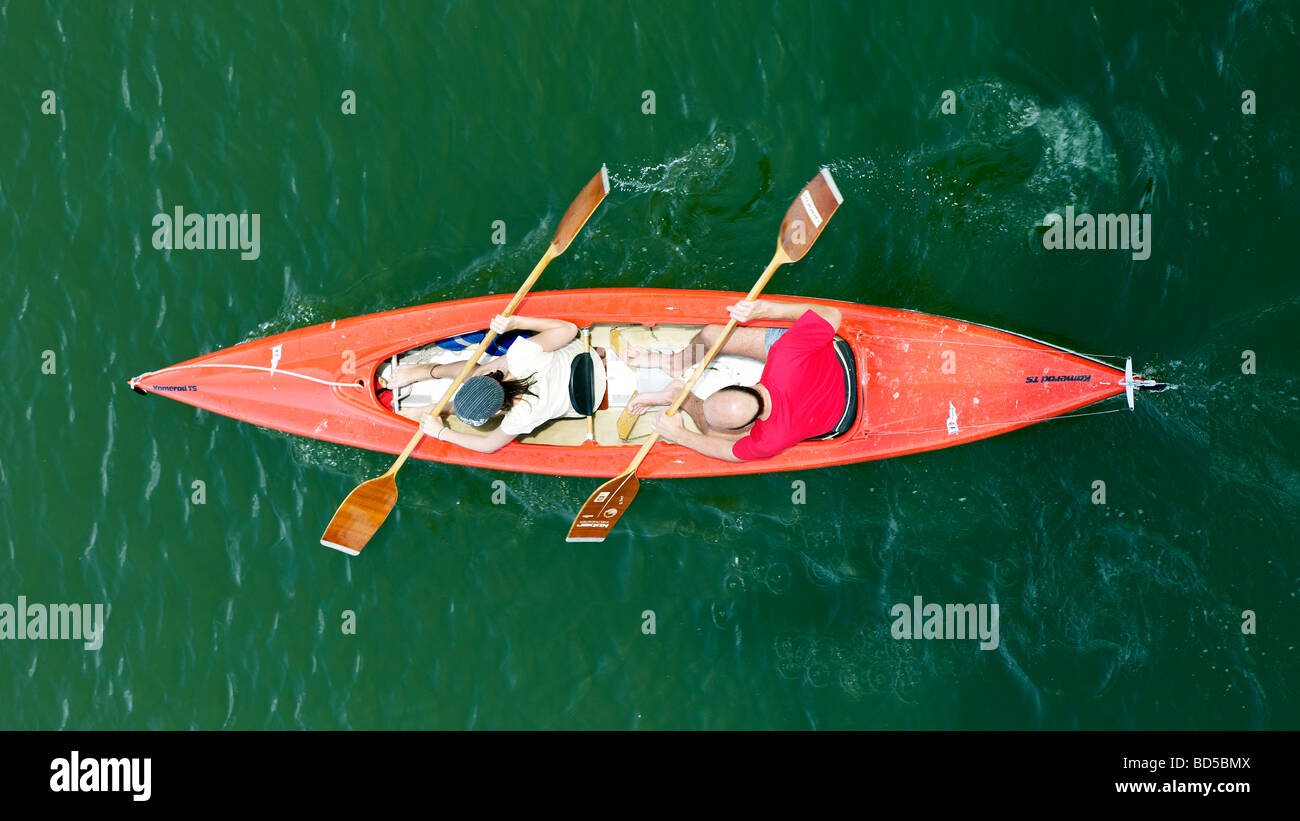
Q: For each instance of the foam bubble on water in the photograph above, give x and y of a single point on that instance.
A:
(852, 169)
(1014, 159)
(778, 578)
(680, 174)
(1076, 153)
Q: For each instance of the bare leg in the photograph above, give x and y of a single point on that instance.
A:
(750, 342)
(641, 357)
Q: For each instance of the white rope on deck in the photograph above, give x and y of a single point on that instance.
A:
(263, 368)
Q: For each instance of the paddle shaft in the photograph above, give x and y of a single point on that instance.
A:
(551, 253)
(778, 259)
(591, 417)
(803, 224)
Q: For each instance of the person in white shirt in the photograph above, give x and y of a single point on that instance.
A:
(527, 387)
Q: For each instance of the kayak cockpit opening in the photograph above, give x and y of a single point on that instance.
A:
(608, 341)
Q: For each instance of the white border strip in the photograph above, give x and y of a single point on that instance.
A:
(341, 548)
(835, 189)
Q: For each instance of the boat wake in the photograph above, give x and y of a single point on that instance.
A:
(684, 175)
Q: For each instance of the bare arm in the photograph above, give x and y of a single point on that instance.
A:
(783, 311)
(551, 335)
(451, 370)
(693, 405)
(434, 427)
(718, 447)
(483, 443)
(672, 428)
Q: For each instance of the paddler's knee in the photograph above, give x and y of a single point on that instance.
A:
(708, 335)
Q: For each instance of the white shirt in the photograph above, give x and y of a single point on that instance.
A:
(550, 371)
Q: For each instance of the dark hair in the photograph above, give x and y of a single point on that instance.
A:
(515, 389)
(748, 391)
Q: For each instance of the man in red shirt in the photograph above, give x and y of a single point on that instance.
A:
(800, 394)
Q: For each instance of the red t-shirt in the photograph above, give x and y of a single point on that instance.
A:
(806, 382)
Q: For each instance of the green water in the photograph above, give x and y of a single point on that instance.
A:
(769, 614)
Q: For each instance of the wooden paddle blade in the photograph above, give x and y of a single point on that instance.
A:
(361, 514)
(369, 504)
(616, 342)
(808, 215)
(627, 420)
(604, 508)
(581, 209)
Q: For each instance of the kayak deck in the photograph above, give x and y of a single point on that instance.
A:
(924, 382)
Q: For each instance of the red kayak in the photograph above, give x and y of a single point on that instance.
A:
(914, 382)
